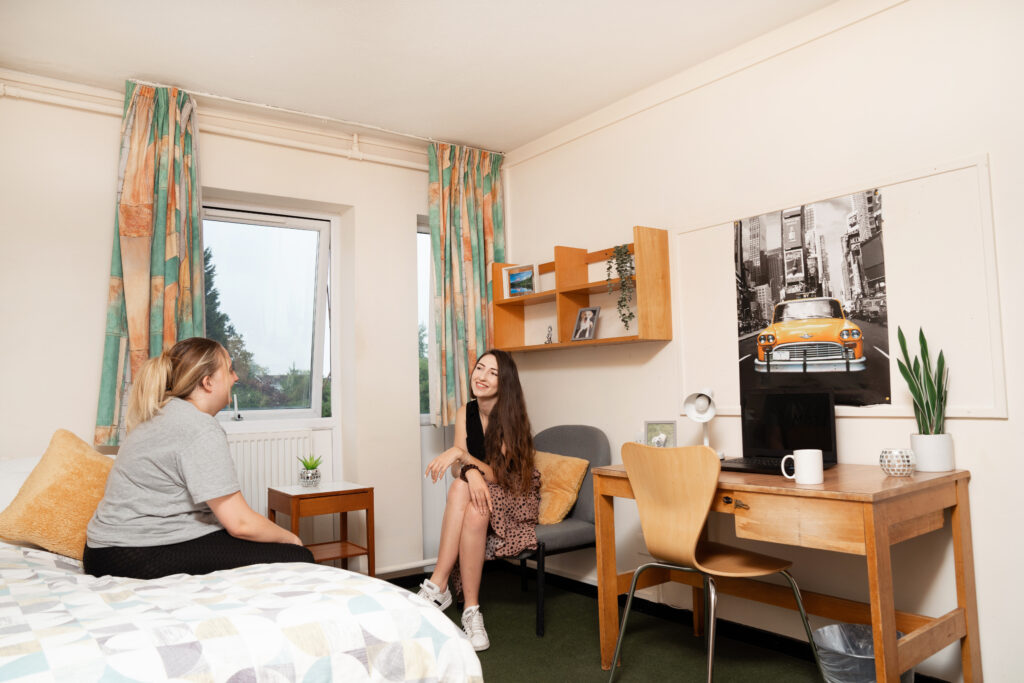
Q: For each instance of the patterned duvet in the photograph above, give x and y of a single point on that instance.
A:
(281, 622)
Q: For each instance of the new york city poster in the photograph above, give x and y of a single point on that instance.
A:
(811, 301)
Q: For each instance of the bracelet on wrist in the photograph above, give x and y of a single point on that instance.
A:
(467, 468)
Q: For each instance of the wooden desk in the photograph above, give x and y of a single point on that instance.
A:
(324, 499)
(858, 510)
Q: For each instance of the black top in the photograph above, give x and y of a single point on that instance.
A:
(475, 432)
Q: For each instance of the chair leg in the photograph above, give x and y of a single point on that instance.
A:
(707, 600)
(540, 590)
(522, 574)
(712, 603)
(625, 616)
(803, 616)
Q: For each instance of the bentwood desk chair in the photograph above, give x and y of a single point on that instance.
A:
(674, 488)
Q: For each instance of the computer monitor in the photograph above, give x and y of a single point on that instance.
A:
(776, 422)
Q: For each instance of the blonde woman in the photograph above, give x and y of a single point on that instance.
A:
(172, 503)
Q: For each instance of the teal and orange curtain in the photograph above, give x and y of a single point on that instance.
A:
(467, 235)
(156, 294)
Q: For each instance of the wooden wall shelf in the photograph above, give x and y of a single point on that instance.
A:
(573, 289)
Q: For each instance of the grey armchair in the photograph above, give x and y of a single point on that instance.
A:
(577, 529)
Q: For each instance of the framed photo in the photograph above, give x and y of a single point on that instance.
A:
(660, 434)
(586, 323)
(519, 280)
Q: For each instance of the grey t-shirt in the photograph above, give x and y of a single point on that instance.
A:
(165, 471)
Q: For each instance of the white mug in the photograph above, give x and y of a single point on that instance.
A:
(807, 466)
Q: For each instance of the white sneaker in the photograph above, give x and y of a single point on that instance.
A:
(473, 625)
(432, 593)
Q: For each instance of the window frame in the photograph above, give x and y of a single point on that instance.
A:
(281, 217)
(423, 228)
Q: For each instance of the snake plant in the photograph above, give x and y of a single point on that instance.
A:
(928, 388)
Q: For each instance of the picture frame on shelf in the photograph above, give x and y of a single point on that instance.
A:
(586, 323)
(661, 434)
(519, 280)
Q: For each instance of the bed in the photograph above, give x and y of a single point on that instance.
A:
(267, 622)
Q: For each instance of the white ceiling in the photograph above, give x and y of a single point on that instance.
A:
(488, 73)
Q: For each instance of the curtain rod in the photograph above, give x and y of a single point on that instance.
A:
(284, 110)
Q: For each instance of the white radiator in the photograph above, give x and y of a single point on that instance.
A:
(265, 459)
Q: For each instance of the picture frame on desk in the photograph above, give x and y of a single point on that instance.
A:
(661, 434)
(519, 280)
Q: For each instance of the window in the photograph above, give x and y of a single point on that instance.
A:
(267, 302)
(423, 270)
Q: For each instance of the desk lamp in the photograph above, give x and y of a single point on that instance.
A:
(700, 407)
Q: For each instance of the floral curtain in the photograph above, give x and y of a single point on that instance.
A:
(156, 268)
(467, 234)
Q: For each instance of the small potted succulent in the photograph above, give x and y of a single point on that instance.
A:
(309, 475)
(929, 388)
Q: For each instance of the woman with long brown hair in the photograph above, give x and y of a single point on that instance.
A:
(172, 503)
(492, 505)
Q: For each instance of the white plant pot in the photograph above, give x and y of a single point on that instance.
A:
(934, 452)
(309, 477)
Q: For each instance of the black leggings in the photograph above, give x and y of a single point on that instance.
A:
(219, 550)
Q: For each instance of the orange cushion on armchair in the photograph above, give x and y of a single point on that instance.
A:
(560, 479)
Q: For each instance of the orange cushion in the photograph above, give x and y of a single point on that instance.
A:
(57, 500)
(560, 479)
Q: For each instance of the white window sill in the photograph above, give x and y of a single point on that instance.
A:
(250, 426)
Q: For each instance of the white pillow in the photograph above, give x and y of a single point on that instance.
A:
(13, 473)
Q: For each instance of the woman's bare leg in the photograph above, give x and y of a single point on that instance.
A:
(451, 532)
(471, 553)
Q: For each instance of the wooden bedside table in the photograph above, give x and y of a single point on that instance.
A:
(324, 499)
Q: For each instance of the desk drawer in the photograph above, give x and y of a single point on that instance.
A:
(807, 522)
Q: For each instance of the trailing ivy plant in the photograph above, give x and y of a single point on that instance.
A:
(622, 261)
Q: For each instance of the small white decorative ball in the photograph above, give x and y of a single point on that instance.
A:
(897, 462)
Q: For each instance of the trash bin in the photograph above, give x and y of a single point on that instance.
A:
(847, 654)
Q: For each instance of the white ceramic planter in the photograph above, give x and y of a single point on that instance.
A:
(934, 452)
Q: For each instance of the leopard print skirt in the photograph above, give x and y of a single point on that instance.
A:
(513, 526)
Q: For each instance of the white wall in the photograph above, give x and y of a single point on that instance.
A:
(859, 93)
(58, 169)
(433, 441)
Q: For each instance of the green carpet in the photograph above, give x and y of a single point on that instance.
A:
(655, 649)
